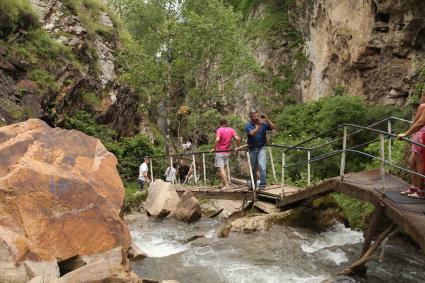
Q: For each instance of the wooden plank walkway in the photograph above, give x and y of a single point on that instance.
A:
(408, 213)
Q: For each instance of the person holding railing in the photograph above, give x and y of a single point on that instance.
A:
(223, 140)
(416, 159)
(256, 130)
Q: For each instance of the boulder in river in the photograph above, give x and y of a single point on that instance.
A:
(188, 209)
(60, 196)
(162, 199)
(253, 223)
(229, 207)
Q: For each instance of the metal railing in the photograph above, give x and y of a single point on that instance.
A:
(287, 149)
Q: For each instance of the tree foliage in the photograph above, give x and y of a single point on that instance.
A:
(186, 53)
(302, 121)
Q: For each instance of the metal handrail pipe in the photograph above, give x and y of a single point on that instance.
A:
(351, 134)
(387, 163)
(288, 146)
(299, 147)
(339, 126)
(384, 133)
(196, 153)
(317, 158)
(400, 119)
(330, 154)
(314, 137)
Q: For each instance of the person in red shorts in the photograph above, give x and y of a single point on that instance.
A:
(416, 159)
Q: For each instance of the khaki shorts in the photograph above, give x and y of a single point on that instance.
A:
(221, 159)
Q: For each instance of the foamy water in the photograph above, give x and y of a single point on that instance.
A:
(338, 235)
(283, 254)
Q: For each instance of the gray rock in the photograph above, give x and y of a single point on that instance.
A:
(188, 209)
(162, 199)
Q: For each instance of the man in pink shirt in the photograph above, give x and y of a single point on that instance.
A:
(223, 140)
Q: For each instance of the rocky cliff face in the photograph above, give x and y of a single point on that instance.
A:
(87, 80)
(372, 48)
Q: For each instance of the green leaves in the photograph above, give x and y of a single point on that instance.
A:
(189, 52)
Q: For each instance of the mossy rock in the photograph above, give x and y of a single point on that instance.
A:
(324, 202)
(319, 215)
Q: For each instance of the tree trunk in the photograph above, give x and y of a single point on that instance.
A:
(368, 255)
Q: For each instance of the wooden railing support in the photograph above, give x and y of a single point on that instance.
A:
(194, 169)
(344, 147)
(228, 171)
(204, 169)
(308, 168)
(271, 161)
(253, 185)
(283, 175)
(171, 167)
(390, 154)
(382, 145)
(150, 161)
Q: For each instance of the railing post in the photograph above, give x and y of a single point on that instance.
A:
(150, 161)
(251, 174)
(308, 168)
(271, 161)
(204, 169)
(283, 175)
(344, 147)
(171, 167)
(194, 169)
(381, 136)
(389, 143)
(228, 170)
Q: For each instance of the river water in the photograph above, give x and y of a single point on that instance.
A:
(282, 254)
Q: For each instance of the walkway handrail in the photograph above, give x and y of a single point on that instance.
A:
(329, 154)
(358, 131)
(341, 126)
(298, 146)
(383, 135)
(387, 163)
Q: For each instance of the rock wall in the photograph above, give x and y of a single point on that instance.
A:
(88, 82)
(371, 48)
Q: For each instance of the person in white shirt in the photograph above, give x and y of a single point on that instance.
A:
(143, 173)
(170, 174)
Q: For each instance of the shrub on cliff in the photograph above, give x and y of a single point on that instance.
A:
(16, 15)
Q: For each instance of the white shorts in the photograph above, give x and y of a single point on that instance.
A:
(221, 159)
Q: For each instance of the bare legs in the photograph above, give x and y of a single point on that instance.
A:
(223, 176)
(416, 165)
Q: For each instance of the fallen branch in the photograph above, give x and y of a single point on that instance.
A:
(368, 255)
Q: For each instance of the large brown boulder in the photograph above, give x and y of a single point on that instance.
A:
(188, 209)
(60, 196)
(162, 199)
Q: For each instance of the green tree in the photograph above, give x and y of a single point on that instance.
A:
(186, 53)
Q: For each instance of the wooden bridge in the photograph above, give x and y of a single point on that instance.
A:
(377, 186)
(406, 212)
